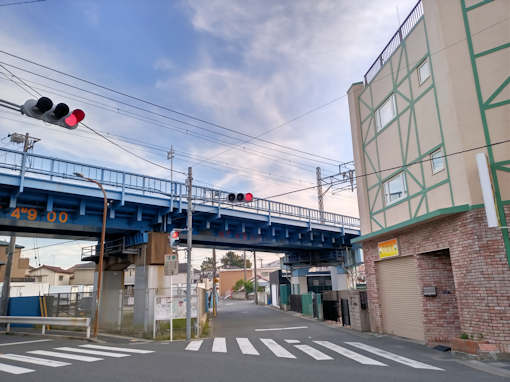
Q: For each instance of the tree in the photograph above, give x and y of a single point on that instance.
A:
(232, 259)
(207, 265)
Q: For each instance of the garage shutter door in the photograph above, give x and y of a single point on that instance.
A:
(400, 297)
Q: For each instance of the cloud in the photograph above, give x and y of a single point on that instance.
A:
(164, 64)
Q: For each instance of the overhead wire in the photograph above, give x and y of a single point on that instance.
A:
(147, 103)
(404, 166)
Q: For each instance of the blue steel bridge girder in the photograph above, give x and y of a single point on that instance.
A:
(53, 201)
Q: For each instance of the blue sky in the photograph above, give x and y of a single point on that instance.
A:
(246, 65)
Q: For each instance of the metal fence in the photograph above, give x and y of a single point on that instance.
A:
(43, 167)
(411, 20)
(78, 304)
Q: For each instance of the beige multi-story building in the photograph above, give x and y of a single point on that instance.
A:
(438, 94)
(20, 265)
(51, 275)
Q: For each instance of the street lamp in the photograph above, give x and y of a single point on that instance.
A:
(101, 251)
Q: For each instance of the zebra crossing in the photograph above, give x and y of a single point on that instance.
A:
(318, 350)
(61, 356)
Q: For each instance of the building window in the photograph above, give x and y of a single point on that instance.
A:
(395, 189)
(437, 161)
(423, 71)
(385, 113)
(60, 278)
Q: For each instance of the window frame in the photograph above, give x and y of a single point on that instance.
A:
(424, 62)
(404, 193)
(378, 125)
(439, 150)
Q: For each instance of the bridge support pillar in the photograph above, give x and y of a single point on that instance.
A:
(110, 313)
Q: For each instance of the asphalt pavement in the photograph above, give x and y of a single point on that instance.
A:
(247, 343)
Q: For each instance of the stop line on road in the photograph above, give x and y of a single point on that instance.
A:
(246, 347)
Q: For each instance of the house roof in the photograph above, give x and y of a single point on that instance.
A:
(53, 269)
(87, 265)
(6, 243)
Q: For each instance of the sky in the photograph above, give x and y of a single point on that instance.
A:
(277, 70)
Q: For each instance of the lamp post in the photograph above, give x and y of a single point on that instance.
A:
(101, 252)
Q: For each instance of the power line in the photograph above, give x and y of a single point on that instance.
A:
(21, 3)
(393, 168)
(167, 126)
(36, 248)
(117, 110)
(148, 103)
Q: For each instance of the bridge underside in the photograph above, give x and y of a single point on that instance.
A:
(76, 212)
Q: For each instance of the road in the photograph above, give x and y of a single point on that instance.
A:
(241, 348)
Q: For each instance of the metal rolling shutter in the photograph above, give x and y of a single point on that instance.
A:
(400, 296)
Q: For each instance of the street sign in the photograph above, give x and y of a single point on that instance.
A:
(171, 264)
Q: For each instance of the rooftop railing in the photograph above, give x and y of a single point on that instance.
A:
(411, 20)
(48, 168)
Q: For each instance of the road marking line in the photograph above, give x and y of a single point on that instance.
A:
(246, 346)
(277, 350)
(23, 342)
(194, 345)
(219, 345)
(124, 350)
(292, 341)
(312, 352)
(93, 352)
(34, 360)
(349, 354)
(14, 369)
(65, 355)
(393, 356)
(290, 328)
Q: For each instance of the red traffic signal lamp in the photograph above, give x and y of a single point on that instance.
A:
(248, 197)
(173, 238)
(59, 115)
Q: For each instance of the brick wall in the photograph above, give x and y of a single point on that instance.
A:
(441, 315)
(480, 269)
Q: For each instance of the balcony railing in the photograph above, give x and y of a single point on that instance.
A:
(48, 168)
(411, 20)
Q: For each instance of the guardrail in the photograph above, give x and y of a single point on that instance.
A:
(40, 166)
(83, 322)
(406, 27)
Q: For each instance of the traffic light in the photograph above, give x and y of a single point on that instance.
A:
(173, 238)
(248, 197)
(59, 115)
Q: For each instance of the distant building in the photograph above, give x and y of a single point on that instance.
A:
(229, 276)
(51, 275)
(83, 273)
(20, 265)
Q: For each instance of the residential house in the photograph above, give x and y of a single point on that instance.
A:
(51, 275)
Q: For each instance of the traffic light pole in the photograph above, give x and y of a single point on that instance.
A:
(255, 278)
(214, 282)
(189, 242)
(7, 277)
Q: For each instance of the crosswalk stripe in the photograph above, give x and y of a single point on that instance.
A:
(393, 356)
(349, 354)
(219, 345)
(314, 353)
(292, 341)
(123, 350)
(34, 360)
(93, 352)
(14, 369)
(194, 345)
(65, 355)
(277, 350)
(246, 346)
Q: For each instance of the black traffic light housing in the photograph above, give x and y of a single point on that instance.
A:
(59, 115)
(240, 197)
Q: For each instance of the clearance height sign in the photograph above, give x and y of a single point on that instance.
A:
(388, 248)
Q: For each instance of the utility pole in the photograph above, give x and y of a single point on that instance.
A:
(28, 144)
(171, 155)
(320, 194)
(189, 241)
(255, 278)
(244, 267)
(214, 282)
(7, 277)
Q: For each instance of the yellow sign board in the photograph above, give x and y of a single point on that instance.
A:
(388, 248)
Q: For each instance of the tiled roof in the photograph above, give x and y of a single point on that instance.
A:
(53, 269)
